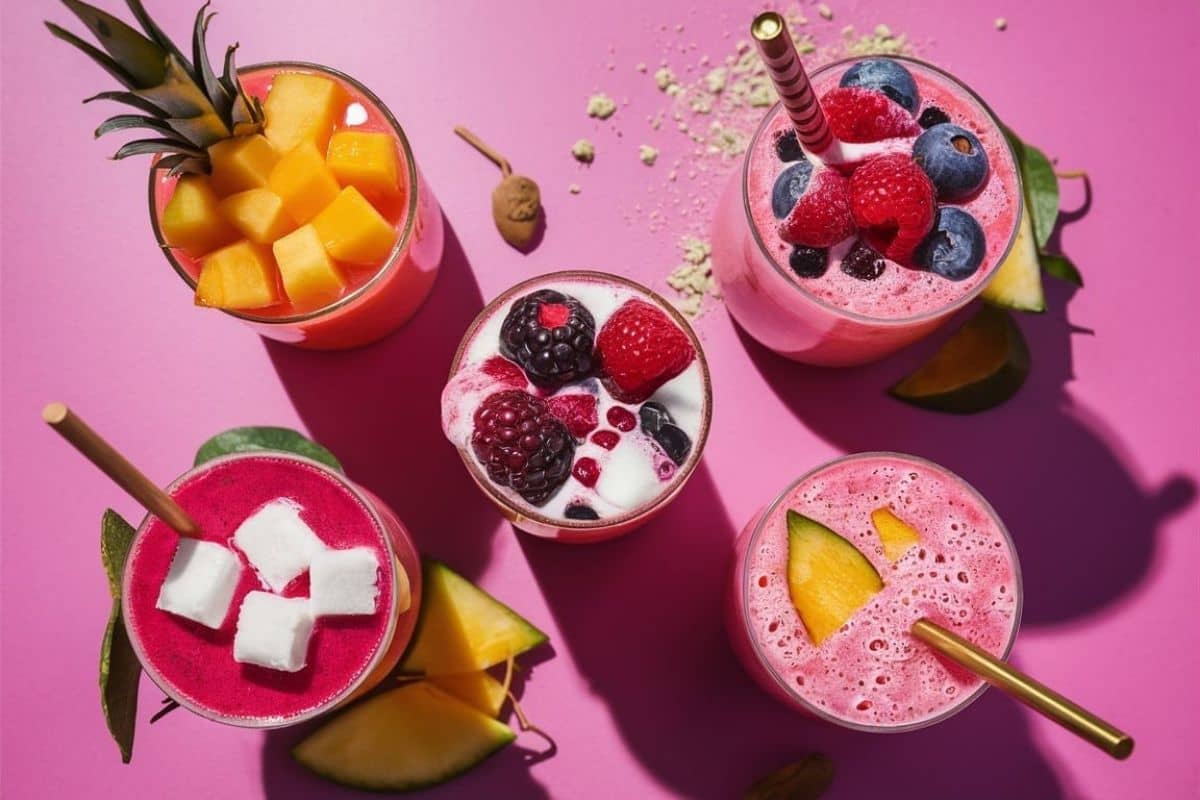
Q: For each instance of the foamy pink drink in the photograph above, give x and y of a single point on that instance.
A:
(836, 319)
(872, 675)
(346, 655)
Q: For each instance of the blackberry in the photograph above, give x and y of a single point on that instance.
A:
(522, 445)
(932, 116)
(659, 425)
(863, 263)
(808, 262)
(787, 146)
(551, 335)
(580, 511)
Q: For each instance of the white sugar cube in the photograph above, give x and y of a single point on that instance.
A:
(200, 582)
(273, 631)
(277, 543)
(628, 479)
(344, 582)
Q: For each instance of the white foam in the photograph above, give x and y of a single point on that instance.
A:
(277, 543)
(200, 583)
(628, 478)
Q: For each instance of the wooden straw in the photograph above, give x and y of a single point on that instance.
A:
(117, 467)
(483, 147)
(1040, 698)
(782, 61)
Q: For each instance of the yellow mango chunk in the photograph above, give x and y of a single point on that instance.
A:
(366, 161)
(192, 219)
(896, 534)
(258, 214)
(477, 689)
(309, 274)
(240, 163)
(304, 182)
(828, 578)
(302, 108)
(239, 276)
(353, 231)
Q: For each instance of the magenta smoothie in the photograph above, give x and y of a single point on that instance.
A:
(848, 301)
(195, 665)
(872, 674)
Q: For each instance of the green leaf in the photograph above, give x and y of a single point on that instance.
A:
(120, 669)
(1060, 267)
(141, 147)
(116, 536)
(154, 32)
(249, 440)
(1041, 187)
(137, 55)
(97, 55)
(129, 99)
(807, 779)
(209, 81)
(123, 122)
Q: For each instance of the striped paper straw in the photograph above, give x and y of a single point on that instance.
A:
(791, 81)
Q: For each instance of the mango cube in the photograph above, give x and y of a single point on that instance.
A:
(895, 534)
(303, 181)
(258, 214)
(239, 276)
(353, 231)
(302, 108)
(309, 274)
(366, 161)
(240, 163)
(192, 219)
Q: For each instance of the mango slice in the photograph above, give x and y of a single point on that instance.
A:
(367, 161)
(1017, 283)
(353, 231)
(192, 219)
(240, 163)
(896, 534)
(828, 578)
(303, 182)
(302, 108)
(309, 274)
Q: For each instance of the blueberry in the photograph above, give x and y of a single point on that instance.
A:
(955, 247)
(887, 76)
(674, 442)
(954, 160)
(809, 262)
(863, 263)
(932, 116)
(790, 184)
(580, 511)
(654, 416)
(787, 147)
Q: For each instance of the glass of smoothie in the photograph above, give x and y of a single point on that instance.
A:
(580, 403)
(937, 550)
(844, 262)
(348, 651)
(358, 187)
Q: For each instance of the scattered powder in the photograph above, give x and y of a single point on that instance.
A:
(825, 11)
(647, 154)
(693, 278)
(574, 188)
(1001, 23)
(641, 67)
(601, 106)
(584, 151)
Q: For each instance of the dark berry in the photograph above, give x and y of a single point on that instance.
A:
(580, 511)
(932, 116)
(550, 335)
(887, 76)
(586, 471)
(790, 184)
(787, 147)
(863, 263)
(955, 247)
(809, 262)
(606, 439)
(954, 160)
(621, 418)
(653, 415)
(522, 445)
(674, 442)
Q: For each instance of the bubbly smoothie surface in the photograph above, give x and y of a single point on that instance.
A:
(962, 575)
(900, 292)
(197, 662)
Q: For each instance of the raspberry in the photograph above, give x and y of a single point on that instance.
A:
(504, 371)
(821, 217)
(576, 411)
(621, 418)
(606, 439)
(586, 471)
(550, 335)
(894, 203)
(864, 115)
(639, 349)
(522, 445)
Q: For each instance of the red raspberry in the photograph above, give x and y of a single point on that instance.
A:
(821, 217)
(606, 439)
(505, 371)
(621, 418)
(522, 445)
(586, 471)
(894, 202)
(864, 115)
(577, 412)
(640, 348)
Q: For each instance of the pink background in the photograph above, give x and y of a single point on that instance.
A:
(1093, 466)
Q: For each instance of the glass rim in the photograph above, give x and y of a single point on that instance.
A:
(846, 313)
(398, 249)
(785, 686)
(268, 722)
(684, 473)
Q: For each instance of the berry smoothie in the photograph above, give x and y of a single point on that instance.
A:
(844, 262)
(375, 299)
(346, 655)
(580, 404)
(871, 674)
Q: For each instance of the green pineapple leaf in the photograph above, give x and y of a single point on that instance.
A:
(141, 147)
(129, 99)
(124, 122)
(221, 100)
(143, 59)
(154, 32)
(105, 61)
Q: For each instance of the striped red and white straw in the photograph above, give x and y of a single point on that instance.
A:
(779, 54)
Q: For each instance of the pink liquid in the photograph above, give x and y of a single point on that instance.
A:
(873, 674)
(194, 664)
(837, 319)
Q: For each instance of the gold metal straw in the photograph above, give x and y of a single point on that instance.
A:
(1040, 698)
(117, 467)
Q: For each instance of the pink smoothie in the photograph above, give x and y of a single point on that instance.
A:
(194, 664)
(872, 674)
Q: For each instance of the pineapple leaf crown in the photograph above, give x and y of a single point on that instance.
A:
(185, 103)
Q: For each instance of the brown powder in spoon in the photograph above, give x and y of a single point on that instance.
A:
(516, 200)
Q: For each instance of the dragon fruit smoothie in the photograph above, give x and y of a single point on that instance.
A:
(840, 308)
(346, 655)
(872, 675)
(621, 435)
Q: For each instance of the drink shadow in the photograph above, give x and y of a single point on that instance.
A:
(641, 618)
(1084, 522)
